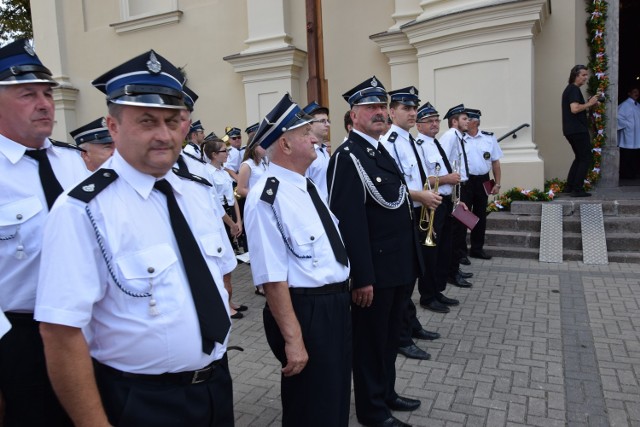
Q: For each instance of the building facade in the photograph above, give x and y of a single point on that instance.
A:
(508, 58)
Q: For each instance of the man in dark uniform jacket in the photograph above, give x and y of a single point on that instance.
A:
(370, 198)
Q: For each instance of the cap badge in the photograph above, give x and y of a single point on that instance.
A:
(374, 82)
(412, 91)
(29, 49)
(103, 123)
(153, 64)
(89, 188)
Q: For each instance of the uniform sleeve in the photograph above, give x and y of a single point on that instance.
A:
(269, 258)
(73, 275)
(625, 116)
(496, 151)
(347, 202)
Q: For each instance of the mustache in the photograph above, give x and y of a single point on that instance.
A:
(379, 118)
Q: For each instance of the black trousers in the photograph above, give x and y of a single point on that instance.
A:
(131, 402)
(581, 146)
(410, 322)
(437, 258)
(29, 398)
(474, 196)
(375, 347)
(320, 395)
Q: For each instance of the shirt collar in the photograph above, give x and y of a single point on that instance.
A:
(424, 137)
(14, 151)
(141, 182)
(372, 141)
(401, 132)
(288, 175)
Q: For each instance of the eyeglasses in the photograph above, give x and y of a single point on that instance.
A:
(222, 151)
(235, 137)
(430, 121)
(324, 121)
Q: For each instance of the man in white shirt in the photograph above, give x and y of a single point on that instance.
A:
(142, 323)
(320, 127)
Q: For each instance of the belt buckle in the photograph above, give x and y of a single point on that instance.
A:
(200, 375)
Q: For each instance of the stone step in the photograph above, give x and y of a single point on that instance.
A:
(572, 207)
(507, 221)
(567, 254)
(616, 242)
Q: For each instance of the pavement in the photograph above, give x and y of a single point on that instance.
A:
(531, 344)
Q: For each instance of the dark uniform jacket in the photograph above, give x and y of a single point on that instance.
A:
(382, 243)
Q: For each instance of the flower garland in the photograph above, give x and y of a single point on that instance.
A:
(598, 84)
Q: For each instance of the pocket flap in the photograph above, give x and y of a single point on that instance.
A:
(213, 245)
(20, 211)
(147, 263)
(307, 235)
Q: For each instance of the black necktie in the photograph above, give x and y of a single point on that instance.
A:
(338, 248)
(212, 316)
(423, 175)
(464, 154)
(444, 156)
(50, 184)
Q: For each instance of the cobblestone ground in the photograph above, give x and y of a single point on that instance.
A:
(530, 344)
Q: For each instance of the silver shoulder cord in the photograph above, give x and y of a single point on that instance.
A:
(108, 262)
(373, 191)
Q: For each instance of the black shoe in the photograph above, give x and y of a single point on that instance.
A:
(242, 308)
(238, 315)
(464, 274)
(446, 300)
(414, 352)
(389, 422)
(465, 261)
(580, 194)
(459, 282)
(480, 254)
(435, 306)
(423, 334)
(403, 404)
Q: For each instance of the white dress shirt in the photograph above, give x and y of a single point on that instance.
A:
(482, 149)
(317, 171)
(402, 152)
(271, 258)
(133, 220)
(23, 210)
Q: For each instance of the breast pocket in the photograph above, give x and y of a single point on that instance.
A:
(152, 270)
(18, 212)
(304, 239)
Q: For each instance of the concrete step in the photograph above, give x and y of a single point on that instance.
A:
(567, 254)
(616, 242)
(507, 221)
(572, 207)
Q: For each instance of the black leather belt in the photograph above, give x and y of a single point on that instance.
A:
(180, 378)
(331, 288)
(483, 177)
(19, 317)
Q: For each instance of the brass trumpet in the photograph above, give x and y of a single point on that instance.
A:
(430, 235)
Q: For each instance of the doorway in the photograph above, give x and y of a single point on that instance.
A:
(629, 77)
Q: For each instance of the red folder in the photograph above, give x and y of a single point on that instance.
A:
(488, 186)
(468, 218)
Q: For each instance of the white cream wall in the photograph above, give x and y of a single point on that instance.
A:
(207, 31)
(559, 47)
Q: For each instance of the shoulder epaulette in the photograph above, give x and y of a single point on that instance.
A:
(392, 137)
(92, 186)
(65, 145)
(486, 133)
(194, 157)
(188, 175)
(270, 190)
